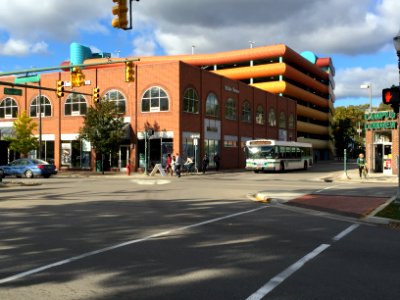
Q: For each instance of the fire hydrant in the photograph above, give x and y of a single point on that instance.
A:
(128, 169)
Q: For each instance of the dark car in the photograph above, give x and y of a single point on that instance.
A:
(29, 168)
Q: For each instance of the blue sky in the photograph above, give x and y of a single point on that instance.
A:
(356, 34)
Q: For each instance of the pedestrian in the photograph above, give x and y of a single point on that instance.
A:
(173, 165)
(168, 167)
(205, 163)
(178, 164)
(362, 165)
(217, 160)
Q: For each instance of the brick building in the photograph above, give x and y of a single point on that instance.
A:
(191, 111)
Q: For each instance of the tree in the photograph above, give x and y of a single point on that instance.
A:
(103, 128)
(346, 122)
(23, 140)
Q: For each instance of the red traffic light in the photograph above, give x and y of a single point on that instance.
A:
(391, 95)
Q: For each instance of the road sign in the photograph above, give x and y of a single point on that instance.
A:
(25, 79)
(12, 91)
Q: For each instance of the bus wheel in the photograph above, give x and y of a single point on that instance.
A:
(305, 165)
(282, 167)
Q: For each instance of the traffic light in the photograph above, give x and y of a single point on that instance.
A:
(77, 77)
(96, 95)
(129, 71)
(121, 12)
(60, 88)
(392, 96)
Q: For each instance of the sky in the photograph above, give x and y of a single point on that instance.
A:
(356, 34)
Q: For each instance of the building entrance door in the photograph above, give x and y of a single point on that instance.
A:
(383, 157)
(124, 154)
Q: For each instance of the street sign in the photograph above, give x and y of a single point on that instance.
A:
(12, 91)
(25, 79)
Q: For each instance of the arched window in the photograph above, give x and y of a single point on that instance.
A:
(118, 99)
(191, 101)
(291, 121)
(272, 117)
(45, 107)
(8, 108)
(282, 120)
(212, 106)
(230, 109)
(246, 112)
(155, 99)
(75, 105)
(260, 115)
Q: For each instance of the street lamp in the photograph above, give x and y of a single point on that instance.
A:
(251, 61)
(193, 46)
(396, 42)
(368, 86)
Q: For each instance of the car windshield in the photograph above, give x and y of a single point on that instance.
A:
(261, 152)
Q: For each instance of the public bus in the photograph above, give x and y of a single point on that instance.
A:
(271, 155)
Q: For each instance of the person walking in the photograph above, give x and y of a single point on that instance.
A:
(178, 163)
(168, 167)
(205, 163)
(362, 165)
(217, 160)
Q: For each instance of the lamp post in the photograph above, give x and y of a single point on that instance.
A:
(369, 87)
(251, 61)
(396, 42)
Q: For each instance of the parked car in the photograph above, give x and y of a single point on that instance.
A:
(29, 168)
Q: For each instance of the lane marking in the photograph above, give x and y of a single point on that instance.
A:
(278, 279)
(326, 188)
(113, 247)
(345, 232)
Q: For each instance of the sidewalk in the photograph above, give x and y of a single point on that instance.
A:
(362, 207)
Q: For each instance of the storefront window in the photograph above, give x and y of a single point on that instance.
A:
(211, 147)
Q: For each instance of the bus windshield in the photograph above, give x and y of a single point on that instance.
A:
(262, 152)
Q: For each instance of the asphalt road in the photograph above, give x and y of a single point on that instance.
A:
(196, 237)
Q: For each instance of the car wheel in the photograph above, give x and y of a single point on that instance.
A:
(28, 174)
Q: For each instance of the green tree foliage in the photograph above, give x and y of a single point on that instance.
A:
(103, 128)
(23, 140)
(346, 122)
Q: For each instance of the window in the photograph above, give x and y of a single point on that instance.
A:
(75, 105)
(260, 115)
(191, 101)
(155, 99)
(282, 120)
(45, 107)
(118, 99)
(8, 108)
(212, 107)
(230, 109)
(272, 117)
(291, 121)
(246, 112)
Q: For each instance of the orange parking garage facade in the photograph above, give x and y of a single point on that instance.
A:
(190, 111)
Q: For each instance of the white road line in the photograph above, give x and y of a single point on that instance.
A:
(106, 249)
(326, 188)
(278, 279)
(346, 232)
